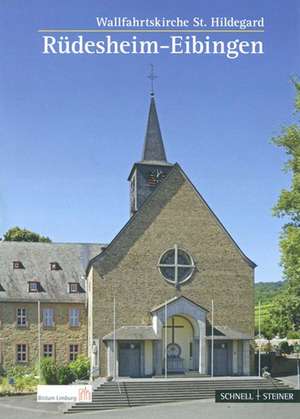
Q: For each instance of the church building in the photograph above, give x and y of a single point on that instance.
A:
(172, 293)
(173, 284)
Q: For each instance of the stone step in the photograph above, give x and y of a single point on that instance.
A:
(156, 395)
(124, 394)
(160, 394)
(185, 382)
(174, 389)
(253, 385)
(189, 384)
(196, 388)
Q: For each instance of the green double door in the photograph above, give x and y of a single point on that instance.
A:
(222, 358)
(129, 359)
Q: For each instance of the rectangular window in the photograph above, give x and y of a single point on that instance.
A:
(48, 317)
(21, 353)
(73, 352)
(48, 350)
(73, 287)
(33, 286)
(74, 317)
(21, 317)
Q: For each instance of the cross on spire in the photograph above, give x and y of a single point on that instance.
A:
(152, 76)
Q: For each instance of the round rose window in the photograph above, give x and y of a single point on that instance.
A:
(176, 265)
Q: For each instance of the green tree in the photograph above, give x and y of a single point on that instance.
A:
(286, 308)
(284, 313)
(17, 234)
(266, 291)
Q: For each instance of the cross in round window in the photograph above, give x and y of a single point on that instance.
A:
(176, 265)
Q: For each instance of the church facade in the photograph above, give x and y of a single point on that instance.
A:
(171, 294)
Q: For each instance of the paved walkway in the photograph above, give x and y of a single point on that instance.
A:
(25, 407)
(291, 380)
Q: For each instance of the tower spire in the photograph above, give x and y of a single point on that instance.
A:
(153, 146)
(148, 173)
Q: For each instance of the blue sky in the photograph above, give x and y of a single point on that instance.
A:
(72, 126)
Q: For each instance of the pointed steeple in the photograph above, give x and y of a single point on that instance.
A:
(148, 173)
(153, 146)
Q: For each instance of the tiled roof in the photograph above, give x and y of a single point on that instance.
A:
(72, 258)
(226, 333)
(133, 333)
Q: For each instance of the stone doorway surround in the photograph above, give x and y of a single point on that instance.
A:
(152, 338)
(196, 315)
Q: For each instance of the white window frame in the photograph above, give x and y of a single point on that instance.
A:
(72, 353)
(47, 353)
(176, 265)
(33, 286)
(21, 317)
(48, 317)
(23, 351)
(73, 290)
(74, 317)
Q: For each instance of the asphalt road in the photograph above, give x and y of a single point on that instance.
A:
(25, 407)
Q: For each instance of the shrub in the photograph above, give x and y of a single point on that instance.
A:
(20, 370)
(65, 375)
(81, 367)
(293, 335)
(2, 371)
(5, 387)
(267, 347)
(20, 384)
(29, 382)
(49, 371)
(285, 347)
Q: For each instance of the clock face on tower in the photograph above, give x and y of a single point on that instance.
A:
(155, 176)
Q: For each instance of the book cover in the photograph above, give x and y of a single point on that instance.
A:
(149, 203)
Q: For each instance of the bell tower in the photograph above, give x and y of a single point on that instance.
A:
(147, 174)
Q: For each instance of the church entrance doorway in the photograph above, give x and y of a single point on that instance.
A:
(129, 359)
(179, 347)
(222, 358)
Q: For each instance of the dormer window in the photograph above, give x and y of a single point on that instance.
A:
(17, 264)
(55, 266)
(33, 286)
(73, 287)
